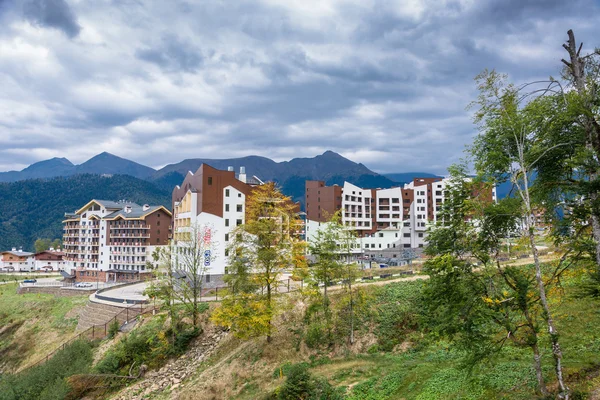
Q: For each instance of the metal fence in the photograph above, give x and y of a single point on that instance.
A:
(100, 331)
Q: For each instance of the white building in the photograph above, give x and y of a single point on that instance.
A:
(214, 199)
(110, 241)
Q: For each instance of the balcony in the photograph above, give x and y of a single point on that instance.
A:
(132, 244)
(114, 227)
(129, 235)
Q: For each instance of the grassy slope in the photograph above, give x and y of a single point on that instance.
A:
(430, 369)
(31, 325)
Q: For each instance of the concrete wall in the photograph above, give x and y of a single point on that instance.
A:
(57, 291)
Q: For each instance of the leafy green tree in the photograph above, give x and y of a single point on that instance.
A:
(261, 251)
(41, 245)
(509, 147)
(329, 265)
(470, 296)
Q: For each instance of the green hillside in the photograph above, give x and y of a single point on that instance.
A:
(35, 208)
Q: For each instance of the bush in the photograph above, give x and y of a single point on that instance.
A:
(150, 344)
(113, 329)
(399, 313)
(48, 381)
(300, 384)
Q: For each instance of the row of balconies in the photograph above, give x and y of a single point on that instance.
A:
(129, 235)
(113, 227)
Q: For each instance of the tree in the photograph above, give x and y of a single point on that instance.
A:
(583, 73)
(182, 267)
(41, 245)
(163, 286)
(261, 250)
(192, 258)
(470, 296)
(508, 147)
(328, 266)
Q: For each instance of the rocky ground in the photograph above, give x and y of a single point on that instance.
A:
(172, 375)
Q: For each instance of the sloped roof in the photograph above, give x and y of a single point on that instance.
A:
(136, 212)
(18, 253)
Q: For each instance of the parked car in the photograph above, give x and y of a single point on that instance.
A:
(30, 281)
(83, 285)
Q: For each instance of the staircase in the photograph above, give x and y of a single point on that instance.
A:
(100, 314)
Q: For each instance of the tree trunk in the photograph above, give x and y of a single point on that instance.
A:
(269, 312)
(537, 365)
(556, 350)
(591, 126)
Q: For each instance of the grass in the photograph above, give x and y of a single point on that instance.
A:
(426, 368)
(32, 325)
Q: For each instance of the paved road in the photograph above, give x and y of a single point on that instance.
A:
(131, 292)
(42, 281)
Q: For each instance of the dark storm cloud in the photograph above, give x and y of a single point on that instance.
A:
(385, 83)
(53, 14)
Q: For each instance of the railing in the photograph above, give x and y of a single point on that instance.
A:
(98, 331)
(113, 227)
(130, 235)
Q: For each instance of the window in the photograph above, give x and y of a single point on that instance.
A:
(421, 235)
(226, 252)
(239, 208)
(227, 237)
(239, 195)
(210, 180)
(406, 235)
(226, 192)
(226, 222)
(226, 207)
(207, 278)
(238, 222)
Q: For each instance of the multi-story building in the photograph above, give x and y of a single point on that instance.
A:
(17, 260)
(387, 221)
(216, 200)
(108, 241)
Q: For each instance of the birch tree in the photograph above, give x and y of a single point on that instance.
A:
(508, 148)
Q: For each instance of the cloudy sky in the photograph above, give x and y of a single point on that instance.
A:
(384, 83)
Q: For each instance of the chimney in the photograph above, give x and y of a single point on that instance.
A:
(128, 209)
(14, 249)
(145, 207)
(242, 176)
(230, 169)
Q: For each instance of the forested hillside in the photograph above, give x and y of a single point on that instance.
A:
(35, 208)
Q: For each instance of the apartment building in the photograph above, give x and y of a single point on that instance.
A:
(213, 201)
(108, 241)
(387, 221)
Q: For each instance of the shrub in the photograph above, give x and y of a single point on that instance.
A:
(149, 344)
(399, 312)
(300, 384)
(113, 329)
(48, 381)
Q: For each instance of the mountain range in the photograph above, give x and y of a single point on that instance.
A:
(33, 200)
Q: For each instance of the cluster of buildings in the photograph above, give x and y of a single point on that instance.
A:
(387, 222)
(114, 241)
(18, 260)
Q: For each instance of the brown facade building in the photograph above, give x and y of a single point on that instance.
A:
(114, 241)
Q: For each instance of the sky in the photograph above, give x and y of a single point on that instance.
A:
(384, 83)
